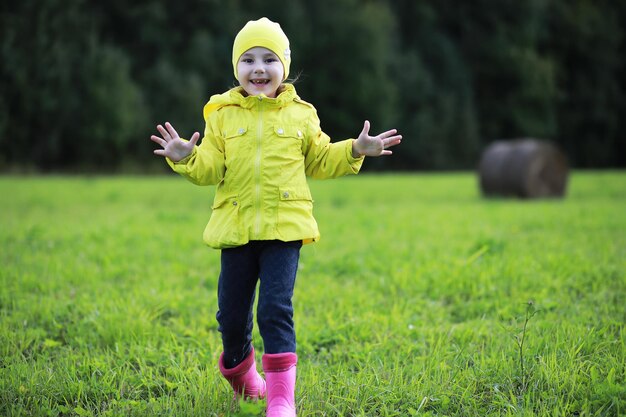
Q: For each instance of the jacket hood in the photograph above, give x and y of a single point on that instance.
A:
(235, 97)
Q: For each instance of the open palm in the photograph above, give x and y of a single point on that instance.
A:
(375, 145)
(173, 146)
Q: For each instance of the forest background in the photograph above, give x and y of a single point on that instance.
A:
(84, 83)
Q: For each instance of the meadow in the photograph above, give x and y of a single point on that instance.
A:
(421, 299)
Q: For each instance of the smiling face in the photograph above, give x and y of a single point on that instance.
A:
(259, 71)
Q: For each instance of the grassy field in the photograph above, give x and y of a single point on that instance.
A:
(421, 299)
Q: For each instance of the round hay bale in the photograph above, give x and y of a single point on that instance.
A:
(525, 168)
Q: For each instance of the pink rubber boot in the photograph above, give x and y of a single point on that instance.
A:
(280, 372)
(244, 378)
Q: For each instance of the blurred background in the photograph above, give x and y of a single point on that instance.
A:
(83, 83)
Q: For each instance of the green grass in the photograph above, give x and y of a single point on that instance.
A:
(412, 304)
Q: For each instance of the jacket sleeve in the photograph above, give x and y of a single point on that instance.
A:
(323, 159)
(205, 165)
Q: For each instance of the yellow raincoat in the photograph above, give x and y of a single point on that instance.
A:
(259, 150)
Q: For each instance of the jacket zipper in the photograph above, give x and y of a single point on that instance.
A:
(257, 172)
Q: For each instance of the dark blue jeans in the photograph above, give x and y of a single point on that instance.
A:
(273, 263)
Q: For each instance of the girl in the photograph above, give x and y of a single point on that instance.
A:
(260, 142)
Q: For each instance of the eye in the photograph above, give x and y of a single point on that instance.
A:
(247, 60)
(270, 60)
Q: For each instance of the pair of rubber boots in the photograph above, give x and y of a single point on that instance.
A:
(280, 373)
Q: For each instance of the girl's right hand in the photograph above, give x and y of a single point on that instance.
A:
(173, 146)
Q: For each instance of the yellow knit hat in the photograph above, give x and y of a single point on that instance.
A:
(264, 33)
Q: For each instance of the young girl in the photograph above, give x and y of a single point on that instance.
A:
(260, 142)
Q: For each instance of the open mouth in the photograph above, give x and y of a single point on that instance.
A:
(260, 82)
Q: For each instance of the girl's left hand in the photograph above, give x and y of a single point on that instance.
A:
(367, 145)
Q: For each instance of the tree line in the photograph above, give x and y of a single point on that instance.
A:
(84, 83)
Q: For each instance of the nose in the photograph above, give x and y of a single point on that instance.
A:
(259, 68)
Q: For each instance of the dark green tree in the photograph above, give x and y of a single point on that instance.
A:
(588, 43)
(68, 99)
(83, 84)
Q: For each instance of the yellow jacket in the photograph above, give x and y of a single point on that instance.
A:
(259, 150)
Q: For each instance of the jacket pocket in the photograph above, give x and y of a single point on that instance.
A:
(225, 227)
(234, 131)
(235, 141)
(295, 214)
(288, 131)
(295, 194)
(290, 137)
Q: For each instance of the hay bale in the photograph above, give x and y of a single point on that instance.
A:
(525, 168)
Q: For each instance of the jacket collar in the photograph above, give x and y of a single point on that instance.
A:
(235, 97)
